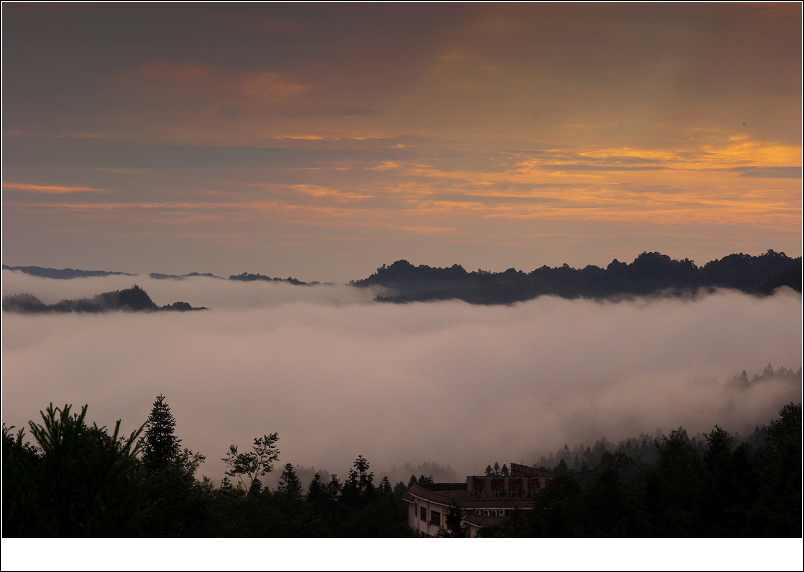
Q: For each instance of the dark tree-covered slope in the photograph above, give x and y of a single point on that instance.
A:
(247, 277)
(133, 299)
(62, 273)
(158, 276)
(651, 273)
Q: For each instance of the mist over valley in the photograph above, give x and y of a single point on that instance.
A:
(338, 374)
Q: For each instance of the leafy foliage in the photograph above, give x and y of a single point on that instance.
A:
(250, 466)
(77, 481)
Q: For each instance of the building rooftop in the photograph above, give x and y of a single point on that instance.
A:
(461, 498)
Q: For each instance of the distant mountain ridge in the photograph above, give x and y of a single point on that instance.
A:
(158, 276)
(651, 273)
(247, 277)
(63, 273)
(133, 299)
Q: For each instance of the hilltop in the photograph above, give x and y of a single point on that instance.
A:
(651, 273)
(133, 299)
(63, 273)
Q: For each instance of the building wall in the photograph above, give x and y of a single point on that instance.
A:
(424, 526)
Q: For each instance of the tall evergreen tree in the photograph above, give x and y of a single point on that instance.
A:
(385, 486)
(289, 482)
(161, 446)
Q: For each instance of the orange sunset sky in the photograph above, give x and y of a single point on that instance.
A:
(322, 141)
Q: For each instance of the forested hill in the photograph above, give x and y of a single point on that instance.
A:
(133, 299)
(651, 273)
(63, 273)
(247, 277)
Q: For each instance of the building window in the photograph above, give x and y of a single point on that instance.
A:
(501, 512)
(423, 513)
(485, 513)
(435, 517)
(479, 512)
(493, 512)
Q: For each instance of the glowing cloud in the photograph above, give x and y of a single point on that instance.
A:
(50, 189)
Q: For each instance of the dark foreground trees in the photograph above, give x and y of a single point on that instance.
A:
(74, 479)
(77, 480)
(723, 490)
(170, 482)
(80, 480)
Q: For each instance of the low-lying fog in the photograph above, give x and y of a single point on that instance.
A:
(337, 375)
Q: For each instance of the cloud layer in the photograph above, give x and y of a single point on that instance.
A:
(337, 375)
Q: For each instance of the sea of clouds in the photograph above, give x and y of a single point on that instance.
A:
(337, 374)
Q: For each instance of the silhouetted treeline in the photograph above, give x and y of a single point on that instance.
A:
(62, 273)
(641, 448)
(158, 276)
(651, 273)
(80, 480)
(246, 277)
(712, 487)
(133, 299)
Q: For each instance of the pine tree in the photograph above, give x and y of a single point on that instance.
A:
(161, 446)
(316, 492)
(289, 482)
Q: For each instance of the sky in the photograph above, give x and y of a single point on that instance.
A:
(322, 141)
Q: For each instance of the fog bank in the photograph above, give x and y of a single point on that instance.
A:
(337, 375)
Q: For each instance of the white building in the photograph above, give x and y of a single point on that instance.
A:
(483, 500)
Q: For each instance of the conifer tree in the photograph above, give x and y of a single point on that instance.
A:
(289, 482)
(161, 446)
(385, 486)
